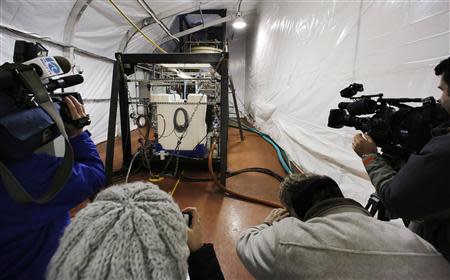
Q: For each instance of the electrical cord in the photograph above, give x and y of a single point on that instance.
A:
(136, 27)
(232, 174)
(239, 6)
(164, 130)
(260, 170)
(131, 164)
(233, 193)
(180, 127)
(138, 121)
(176, 185)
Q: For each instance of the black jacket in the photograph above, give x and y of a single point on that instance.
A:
(203, 264)
(420, 191)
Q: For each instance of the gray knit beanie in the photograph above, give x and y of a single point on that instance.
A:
(130, 231)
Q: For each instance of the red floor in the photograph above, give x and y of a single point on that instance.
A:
(224, 218)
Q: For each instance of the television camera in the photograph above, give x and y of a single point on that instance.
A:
(32, 114)
(397, 128)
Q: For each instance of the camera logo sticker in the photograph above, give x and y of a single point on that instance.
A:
(52, 66)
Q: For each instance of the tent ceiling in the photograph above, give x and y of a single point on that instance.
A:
(95, 26)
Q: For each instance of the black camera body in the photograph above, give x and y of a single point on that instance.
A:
(24, 126)
(397, 128)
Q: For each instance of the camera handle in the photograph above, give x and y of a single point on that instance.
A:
(31, 80)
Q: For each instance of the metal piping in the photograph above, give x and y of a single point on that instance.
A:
(127, 37)
(75, 14)
(147, 8)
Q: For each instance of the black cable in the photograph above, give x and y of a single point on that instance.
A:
(185, 125)
(259, 170)
(138, 122)
(164, 130)
(199, 142)
(231, 174)
(172, 154)
(239, 7)
(147, 161)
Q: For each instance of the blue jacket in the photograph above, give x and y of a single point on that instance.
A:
(29, 233)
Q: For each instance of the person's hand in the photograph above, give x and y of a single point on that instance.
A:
(77, 111)
(195, 236)
(363, 144)
(276, 215)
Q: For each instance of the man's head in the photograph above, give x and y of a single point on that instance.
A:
(131, 231)
(300, 192)
(443, 70)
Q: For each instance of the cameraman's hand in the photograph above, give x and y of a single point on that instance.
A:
(363, 144)
(276, 215)
(76, 112)
(194, 232)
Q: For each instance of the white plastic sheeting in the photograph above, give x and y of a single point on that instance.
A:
(97, 88)
(304, 52)
(298, 57)
(7, 40)
(39, 17)
(236, 69)
(102, 28)
(98, 29)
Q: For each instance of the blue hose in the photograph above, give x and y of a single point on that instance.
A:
(266, 137)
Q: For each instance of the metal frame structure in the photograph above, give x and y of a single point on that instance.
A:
(125, 63)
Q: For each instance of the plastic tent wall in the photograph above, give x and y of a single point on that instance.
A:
(90, 32)
(303, 53)
(297, 57)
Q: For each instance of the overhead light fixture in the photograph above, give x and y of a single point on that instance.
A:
(239, 22)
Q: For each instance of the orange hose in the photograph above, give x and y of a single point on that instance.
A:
(233, 193)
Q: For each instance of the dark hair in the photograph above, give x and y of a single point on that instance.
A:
(443, 68)
(303, 191)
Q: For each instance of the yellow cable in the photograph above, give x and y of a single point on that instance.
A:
(176, 185)
(136, 27)
(155, 179)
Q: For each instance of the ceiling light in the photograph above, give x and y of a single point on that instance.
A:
(239, 22)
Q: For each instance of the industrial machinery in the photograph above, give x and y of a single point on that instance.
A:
(179, 102)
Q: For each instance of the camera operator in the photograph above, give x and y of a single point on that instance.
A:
(30, 232)
(420, 191)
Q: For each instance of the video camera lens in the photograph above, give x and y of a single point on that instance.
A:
(336, 118)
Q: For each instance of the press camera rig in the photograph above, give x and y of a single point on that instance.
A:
(397, 128)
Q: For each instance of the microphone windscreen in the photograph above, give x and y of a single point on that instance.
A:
(64, 63)
(73, 80)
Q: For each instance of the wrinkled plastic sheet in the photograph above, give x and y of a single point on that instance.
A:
(303, 53)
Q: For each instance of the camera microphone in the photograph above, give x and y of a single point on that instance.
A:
(64, 82)
(49, 66)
